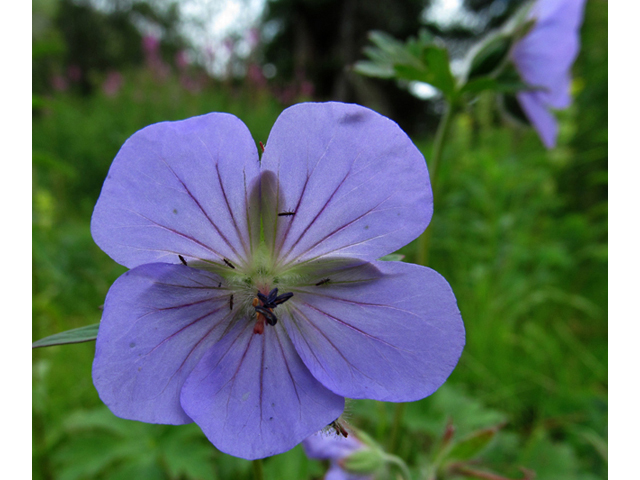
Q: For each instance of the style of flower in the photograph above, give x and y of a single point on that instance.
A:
(196, 332)
(543, 59)
(335, 448)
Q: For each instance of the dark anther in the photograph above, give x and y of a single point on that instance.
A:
(282, 298)
(286, 214)
(184, 262)
(269, 302)
(268, 315)
(231, 302)
(340, 430)
(322, 282)
(229, 264)
(273, 299)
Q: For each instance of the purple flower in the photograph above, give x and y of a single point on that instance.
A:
(196, 331)
(59, 83)
(113, 83)
(336, 448)
(151, 46)
(182, 60)
(544, 58)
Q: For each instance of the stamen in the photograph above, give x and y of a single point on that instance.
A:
(265, 311)
(282, 298)
(268, 315)
(263, 299)
(272, 295)
(340, 430)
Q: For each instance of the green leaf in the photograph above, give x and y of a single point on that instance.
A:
(76, 335)
(472, 445)
(372, 69)
(394, 49)
(437, 61)
(432, 67)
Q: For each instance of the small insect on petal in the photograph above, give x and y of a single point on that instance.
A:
(184, 262)
(231, 302)
(261, 146)
(286, 214)
(322, 282)
(229, 264)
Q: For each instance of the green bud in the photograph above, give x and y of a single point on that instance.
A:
(364, 462)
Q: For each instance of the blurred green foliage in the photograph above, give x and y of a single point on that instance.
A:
(519, 232)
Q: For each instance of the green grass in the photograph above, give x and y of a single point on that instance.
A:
(529, 274)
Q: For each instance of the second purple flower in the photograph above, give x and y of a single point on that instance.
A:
(544, 58)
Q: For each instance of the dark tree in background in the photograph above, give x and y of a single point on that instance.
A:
(317, 40)
(92, 41)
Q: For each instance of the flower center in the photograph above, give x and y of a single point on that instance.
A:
(264, 305)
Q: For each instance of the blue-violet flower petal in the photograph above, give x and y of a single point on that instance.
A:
(255, 303)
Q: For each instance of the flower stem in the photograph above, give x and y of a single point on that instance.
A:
(424, 240)
(258, 474)
(394, 436)
(400, 463)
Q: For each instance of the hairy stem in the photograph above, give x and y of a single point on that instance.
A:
(424, 240)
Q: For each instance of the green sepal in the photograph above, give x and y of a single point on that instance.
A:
(510, 107)
(392, 257)
(364, 462)
(488, 56)
(75, 335)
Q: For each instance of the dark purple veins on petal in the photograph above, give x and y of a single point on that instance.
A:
(253, 397)
(158, 321)
(392, 337)
(180, 188)
(357, 184)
